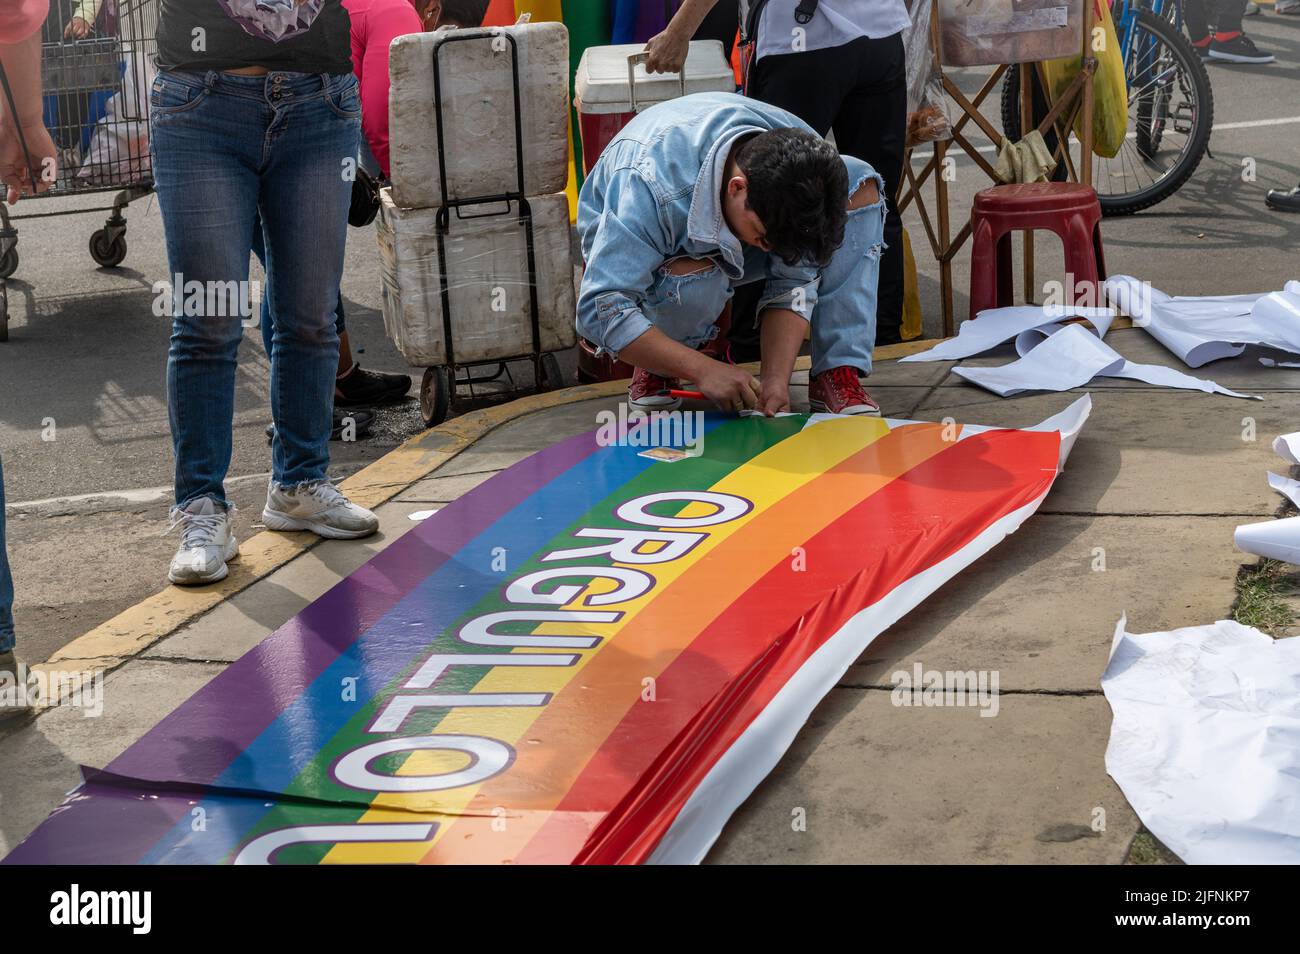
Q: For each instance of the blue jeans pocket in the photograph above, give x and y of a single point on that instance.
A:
(170, 95)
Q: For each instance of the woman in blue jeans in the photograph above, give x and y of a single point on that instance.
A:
(254, 112)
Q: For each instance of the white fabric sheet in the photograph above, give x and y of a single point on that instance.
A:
(1203, 329)
(1070, 356)
(1287, 446)
(994, 326)
(1205, 741)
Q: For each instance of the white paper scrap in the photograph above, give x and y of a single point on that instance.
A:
(1287, 446)
(1205, 740)
(1288, 488)
(1071, 357)
(1273, 539)
(1206, 328)
(994, 326)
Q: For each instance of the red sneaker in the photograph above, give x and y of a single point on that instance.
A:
(838, 391)
(643, 394)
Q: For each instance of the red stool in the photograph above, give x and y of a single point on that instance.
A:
(1069, 209)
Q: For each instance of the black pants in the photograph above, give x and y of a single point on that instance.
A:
(1227, 16)
(859, 90)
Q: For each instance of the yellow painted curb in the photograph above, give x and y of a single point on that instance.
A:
(137, 628)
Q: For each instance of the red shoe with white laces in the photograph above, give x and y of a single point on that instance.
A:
(838, 391)
(643, 394)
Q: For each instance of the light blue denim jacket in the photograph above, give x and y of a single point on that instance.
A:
(655, 195)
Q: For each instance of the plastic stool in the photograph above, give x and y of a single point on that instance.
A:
(1069, 209)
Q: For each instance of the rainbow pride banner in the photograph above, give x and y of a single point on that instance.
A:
(594, 657)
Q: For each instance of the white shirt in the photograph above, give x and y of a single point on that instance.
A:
(835, 23)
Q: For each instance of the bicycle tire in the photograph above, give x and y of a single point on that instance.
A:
(1198, 141)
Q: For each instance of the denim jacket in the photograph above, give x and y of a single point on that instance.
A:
(655, 195)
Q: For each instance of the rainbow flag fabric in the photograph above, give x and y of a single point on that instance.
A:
(593, 657)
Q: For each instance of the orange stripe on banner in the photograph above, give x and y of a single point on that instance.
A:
(613, 679)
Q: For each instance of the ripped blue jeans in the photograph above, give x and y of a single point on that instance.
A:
(686, 307)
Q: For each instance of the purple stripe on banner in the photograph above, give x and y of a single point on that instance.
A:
(315, 637)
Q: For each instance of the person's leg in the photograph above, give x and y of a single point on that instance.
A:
(206, 147)
(304, 204)
(684, 303)
(872, 126)
(843, 321)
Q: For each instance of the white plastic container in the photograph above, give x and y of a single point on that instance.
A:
(606, 96)
(478, 112)
(487, 280)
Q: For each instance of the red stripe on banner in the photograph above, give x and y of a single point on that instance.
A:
(917, 521)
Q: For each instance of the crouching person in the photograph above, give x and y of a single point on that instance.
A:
(704, 193)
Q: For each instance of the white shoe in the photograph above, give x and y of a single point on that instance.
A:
(319, 507)
(18, 707)
(207, 542)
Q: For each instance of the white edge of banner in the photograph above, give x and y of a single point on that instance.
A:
(753, 755)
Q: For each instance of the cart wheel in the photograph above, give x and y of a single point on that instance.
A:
(435, 396)
(107, 251)
(552, 376)
(9, 262)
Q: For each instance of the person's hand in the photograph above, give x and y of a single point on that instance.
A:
(14, 173)
(77, 29)
(729, 387)
(773, 395)
(666, 52)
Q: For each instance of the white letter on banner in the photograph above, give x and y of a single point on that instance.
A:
(478, 631)
(625, 549)
(634, 583)
(400, 707)
(435, 666)
(487, 758)
(262, 849)
(729, 508)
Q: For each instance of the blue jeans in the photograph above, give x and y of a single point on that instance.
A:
(227, 149)
(686, 307)
(6, 579)
(267, 320)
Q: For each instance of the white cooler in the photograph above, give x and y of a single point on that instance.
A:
(612, 86)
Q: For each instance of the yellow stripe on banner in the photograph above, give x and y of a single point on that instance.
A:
(765, 479)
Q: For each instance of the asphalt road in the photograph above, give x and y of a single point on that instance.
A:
(85, 360)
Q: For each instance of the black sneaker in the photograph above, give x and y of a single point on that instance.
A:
(1240, 49)
(360, 386)
(1288, 201)
(1202, 47)
(360, 417)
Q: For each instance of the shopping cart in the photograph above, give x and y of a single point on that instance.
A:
(96, 106)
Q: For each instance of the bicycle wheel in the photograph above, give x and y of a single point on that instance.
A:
(1170, 109)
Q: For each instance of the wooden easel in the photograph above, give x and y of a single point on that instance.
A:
(1077, 98)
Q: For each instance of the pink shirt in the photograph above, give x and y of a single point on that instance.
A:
(19, 20)
(375, 24)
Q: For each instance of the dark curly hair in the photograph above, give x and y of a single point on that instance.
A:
(799, 190)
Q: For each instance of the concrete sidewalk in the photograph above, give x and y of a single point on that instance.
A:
(1141, 522)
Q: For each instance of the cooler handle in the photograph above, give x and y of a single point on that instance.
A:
(632, 60)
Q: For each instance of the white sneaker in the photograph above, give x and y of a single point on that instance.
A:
(16, 707)
(318, 507)
(207, 542)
